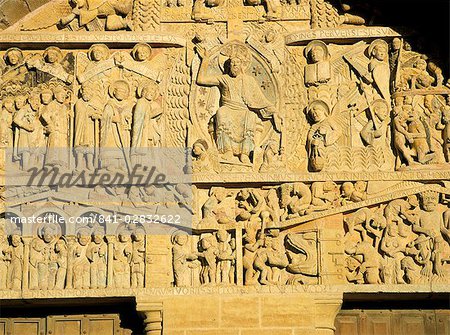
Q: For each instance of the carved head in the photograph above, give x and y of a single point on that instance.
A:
(270, 36)
(429, 200)
(124, 235)
(199, 147)
(48, 234)
(219, 192)
(413, 200)
(222, 235)
(421, 64)
(378, 49)
(120, 90)
(396, 44)
(84, 237)
(138, 235)
(148, 91)
(399, 100)
(205, 243)
(250, 235)
(13, 56)
(316, 51)
(35, 101)
(9, 104)
(98, 234)
(52, 55)
(243, 194)
(21, 100)
(236, 66)
(60, 245)
(60, 93)
(46, 96)
(97, 238)
(361, 185)
(347, 189)
(239, 58)
(381, 109)
(141, 52)
(318, 110)
(15, 239)
(98, 52)
(407, 46)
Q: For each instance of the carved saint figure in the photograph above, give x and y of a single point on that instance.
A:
(201, 158)
(379, 67)
(87, 114)
(6, 119)
(24, 120)
(376, 130)
(225, 257)
(97, 255)
(122, 258)
(81, 265)
(16, 262)
(145, 132)
(56, 120)
(115, 127)
(208, 257)
(138, 258)
(240, 97)
(318, 69)
(181, 259)
(322, 134)
(15, 70)
(60, 258)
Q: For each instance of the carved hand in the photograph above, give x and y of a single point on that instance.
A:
(202, 52)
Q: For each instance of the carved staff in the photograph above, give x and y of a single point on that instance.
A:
(71, 131)
(397, 69)
(96, 143)
(127, 159)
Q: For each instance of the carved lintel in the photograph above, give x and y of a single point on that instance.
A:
(152, 312)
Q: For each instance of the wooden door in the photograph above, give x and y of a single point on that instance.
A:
(393, 322)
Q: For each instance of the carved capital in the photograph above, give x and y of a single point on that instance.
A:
(152, 312)
(326, 310)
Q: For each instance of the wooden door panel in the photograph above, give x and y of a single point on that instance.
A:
(443, 322)
(3, 324)
(27, 326)
(348, 325)
(397, 322)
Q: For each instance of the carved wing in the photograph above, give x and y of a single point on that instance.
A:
(340, 67)
(177, 103)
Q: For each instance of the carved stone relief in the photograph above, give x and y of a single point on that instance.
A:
(320, 149)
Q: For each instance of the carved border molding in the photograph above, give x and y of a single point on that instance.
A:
(80, 38)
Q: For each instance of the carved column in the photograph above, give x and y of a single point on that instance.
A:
(70, 245)
(152, 312)
(109, 269)
(26, 262)
(326, 310)
(239, 251)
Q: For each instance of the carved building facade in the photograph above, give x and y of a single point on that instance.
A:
(320, 150)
